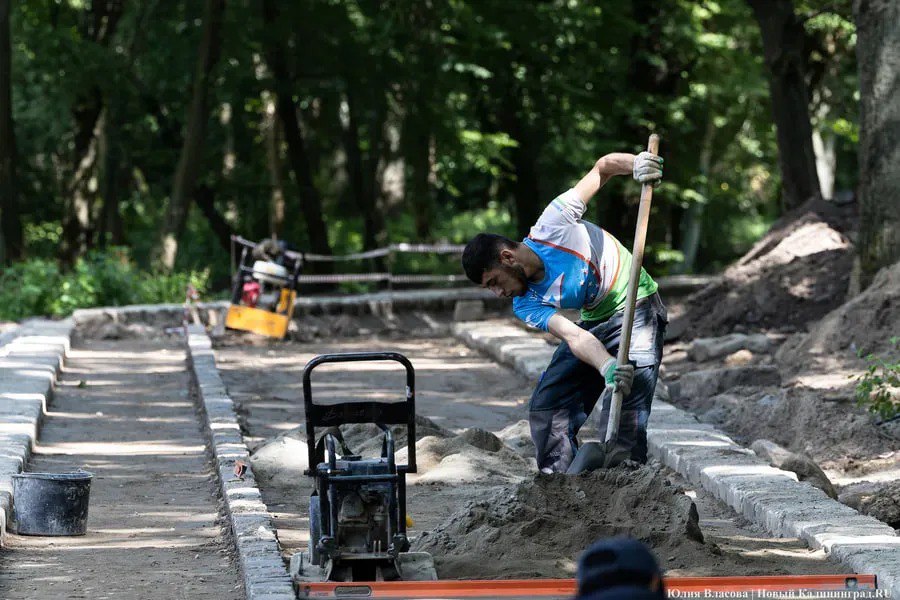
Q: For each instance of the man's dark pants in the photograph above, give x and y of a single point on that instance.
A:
(569, 389)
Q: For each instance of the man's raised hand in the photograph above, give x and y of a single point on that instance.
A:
(648, 168)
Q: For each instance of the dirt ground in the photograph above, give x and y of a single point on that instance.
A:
(800, 391)
(794, 275)
(467, 473)
(122, 412)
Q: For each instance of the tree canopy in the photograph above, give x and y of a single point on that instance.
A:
(341, 125)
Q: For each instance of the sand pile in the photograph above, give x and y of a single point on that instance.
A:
(797, 273)
(474, 456)
(539, 527)
(282, 460)
(365, 439)
(865, 323)
(518, 437)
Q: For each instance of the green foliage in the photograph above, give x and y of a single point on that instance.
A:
(487, 94)
(878, 388)
(37, 287)
(28, 288)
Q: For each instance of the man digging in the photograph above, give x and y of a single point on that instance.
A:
(568, 263)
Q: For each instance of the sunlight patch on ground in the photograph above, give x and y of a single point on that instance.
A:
(120, 448)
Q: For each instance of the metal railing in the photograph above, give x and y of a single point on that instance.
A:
(385, 277)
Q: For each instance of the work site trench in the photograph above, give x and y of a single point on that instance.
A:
(477, 503)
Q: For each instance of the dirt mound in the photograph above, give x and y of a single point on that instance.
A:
(797, 273)
(831, 429)
(539, 527)
(865, 323)
(884, 504)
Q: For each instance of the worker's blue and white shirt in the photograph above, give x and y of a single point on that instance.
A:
(584, 267)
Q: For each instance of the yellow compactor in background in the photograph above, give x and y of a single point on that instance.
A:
(264, 287)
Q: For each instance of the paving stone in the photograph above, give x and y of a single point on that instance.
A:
(468, 310)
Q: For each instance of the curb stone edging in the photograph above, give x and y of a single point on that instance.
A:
(30, 362)
(735, 475)
(9, 335)
(264, 574)
(356, 304)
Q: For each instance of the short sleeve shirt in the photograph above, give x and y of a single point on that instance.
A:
(585, 267)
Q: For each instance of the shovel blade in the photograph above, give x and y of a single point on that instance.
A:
(595, 455)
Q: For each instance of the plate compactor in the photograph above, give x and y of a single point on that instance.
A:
(264, 286)
(357, 511)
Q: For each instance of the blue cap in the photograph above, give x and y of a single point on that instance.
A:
(619, 568)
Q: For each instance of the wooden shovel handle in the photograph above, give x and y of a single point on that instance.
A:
(637, 254)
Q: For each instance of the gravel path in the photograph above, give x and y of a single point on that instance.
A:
(122, 411)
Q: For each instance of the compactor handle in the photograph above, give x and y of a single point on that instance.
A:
(380, 413)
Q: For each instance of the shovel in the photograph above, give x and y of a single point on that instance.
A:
(594, 455)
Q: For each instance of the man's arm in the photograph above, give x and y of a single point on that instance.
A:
(589, 349)
(646, 168)
(583, 345)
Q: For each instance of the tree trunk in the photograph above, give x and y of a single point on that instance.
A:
(273, 162)
(878, 57)
(10, 218)
(205, 199)
(362, 171)
(112, 171)
(417, 142)
(783, 38)
(192, 151)
(98, 25)
(525, 187)
(310, 200)
(692, 222)
(826, 161)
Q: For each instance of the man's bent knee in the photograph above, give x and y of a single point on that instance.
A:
(554, 447)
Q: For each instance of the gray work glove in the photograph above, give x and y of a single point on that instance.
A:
(618, 378)
(648, 168)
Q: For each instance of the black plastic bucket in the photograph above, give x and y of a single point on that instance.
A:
(51, 503)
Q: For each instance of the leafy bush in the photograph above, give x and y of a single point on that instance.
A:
(170, 287)
(28, 288)
(879, 387)
(102, 278)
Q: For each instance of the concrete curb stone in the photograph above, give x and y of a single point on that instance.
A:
(707, 457)
(31, 357)
(264, 574)
(172, 315)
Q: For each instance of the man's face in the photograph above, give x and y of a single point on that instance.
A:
(507, 279)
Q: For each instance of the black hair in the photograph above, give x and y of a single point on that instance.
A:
(482, 254)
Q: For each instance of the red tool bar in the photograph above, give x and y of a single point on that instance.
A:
(565, 588)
